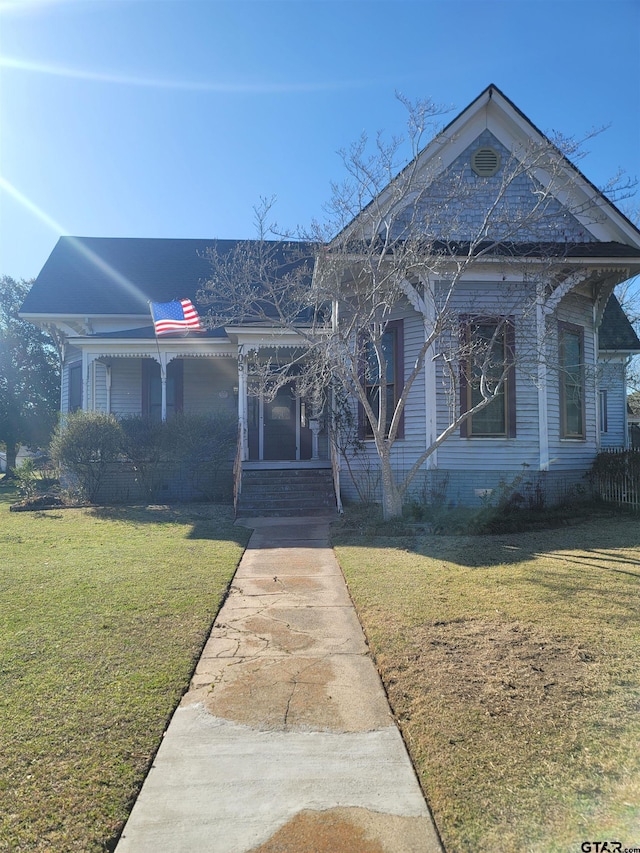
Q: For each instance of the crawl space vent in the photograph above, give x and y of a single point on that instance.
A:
(485, 162)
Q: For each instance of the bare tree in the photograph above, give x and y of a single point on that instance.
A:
(402, 236)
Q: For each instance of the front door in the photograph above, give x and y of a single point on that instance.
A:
(280, 422)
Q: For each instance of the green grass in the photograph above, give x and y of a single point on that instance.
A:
(103, 614)
(512, 664)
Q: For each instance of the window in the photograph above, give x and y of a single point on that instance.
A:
(602, 411)
(75, 387)
(571, 340)
(391, 386)
(152, 389)
(488, 345)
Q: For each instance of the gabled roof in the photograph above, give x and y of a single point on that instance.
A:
(493, 120)
(89, 276)
(616, 334)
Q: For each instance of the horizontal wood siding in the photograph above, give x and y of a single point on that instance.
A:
(568, 454)
(365, 466)
(72, 356)
(126, 386)
(100, 387)
(611, 377)
(504, 299)
(209, 385)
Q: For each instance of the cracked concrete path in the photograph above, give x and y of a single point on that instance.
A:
(284, 742)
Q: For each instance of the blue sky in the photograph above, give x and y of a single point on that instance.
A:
(155, 118)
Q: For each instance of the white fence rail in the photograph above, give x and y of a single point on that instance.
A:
(621, 486)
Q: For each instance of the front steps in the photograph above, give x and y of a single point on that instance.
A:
(287, 490)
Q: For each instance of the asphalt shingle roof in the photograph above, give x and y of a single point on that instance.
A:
(119, 275)
(616, 332)
(110, 275)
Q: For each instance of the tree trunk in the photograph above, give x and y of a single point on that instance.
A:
(391, 494)
(12, 453)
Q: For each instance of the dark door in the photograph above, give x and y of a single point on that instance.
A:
(280, 425)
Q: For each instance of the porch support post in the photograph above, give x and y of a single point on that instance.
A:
(242, 404)
(543, 415)
(85, 381)
(108, 384)
(163, 381)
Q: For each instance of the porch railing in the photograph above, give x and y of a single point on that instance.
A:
(237, 471)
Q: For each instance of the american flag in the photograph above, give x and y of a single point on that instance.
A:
(177, 316)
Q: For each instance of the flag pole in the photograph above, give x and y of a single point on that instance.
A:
(163, 372)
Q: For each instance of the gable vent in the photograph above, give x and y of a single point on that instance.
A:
(485, 162)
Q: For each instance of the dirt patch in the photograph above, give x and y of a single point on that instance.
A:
(349, 829)
(500, 668)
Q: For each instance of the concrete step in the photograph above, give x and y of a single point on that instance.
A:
(299, 491)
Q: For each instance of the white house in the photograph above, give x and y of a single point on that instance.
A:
(554, 411)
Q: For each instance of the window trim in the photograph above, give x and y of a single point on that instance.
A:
(573, 329)
(509, 385)
(364, 427)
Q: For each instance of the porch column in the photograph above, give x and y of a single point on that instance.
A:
(85, 381)
(242, 404)
(541, 344)
(163, 382)
(108, 384)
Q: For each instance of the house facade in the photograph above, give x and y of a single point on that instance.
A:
(537, 282)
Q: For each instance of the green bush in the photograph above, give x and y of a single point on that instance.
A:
(142, 445)
(34, 477)
(83, 446)
(202, 445)
(195, 446)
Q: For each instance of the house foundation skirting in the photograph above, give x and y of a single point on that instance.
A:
(530, 489)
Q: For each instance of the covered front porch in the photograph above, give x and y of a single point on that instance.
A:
(137, 376)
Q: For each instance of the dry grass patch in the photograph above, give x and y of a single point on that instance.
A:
(513, 666)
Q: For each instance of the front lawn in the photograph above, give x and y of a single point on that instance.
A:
(512, 663)
(103, 614)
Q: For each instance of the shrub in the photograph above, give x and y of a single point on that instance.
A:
(83, 445)
(35, 477)
(142, 445)
(202, 444)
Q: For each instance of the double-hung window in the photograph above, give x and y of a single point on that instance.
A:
(488, 369)
(75, 387)
(571, 345)
(390, 385)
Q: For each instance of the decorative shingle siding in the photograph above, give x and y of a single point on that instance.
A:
(455, 204)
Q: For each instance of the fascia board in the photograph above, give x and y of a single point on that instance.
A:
(49, 316)
(264, 336)
(131, 347)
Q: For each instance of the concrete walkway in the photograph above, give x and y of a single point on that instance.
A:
(285, 741)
